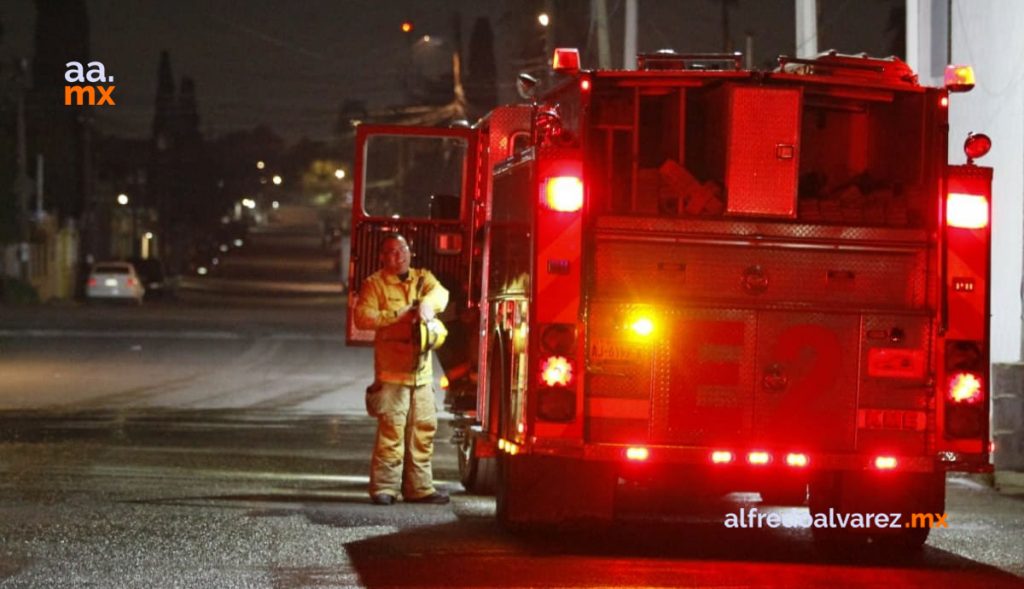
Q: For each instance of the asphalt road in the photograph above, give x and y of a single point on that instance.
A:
(218, 441)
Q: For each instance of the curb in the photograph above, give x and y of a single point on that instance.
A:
(1009, 482)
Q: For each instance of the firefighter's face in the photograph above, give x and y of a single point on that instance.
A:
(394, 256)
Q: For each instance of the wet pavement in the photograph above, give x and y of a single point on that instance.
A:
(240, 498)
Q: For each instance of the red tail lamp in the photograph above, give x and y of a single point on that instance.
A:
(556, 371)
(563, 194)
(722, 457)
(885, 462)
(965, 387)
(966, 211)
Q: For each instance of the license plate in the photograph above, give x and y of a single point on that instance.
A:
(110, 282)
(601, 349)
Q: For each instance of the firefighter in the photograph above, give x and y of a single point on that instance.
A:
(392, 301)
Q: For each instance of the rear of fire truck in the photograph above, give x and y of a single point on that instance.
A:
(738, 281)
(697, 279)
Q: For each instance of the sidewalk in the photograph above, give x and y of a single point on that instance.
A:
(1009, 482)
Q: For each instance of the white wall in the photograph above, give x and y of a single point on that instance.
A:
(989, 35)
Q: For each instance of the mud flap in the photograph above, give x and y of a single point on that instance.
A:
(536, 490)
(905, 494)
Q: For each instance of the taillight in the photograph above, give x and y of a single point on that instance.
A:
(885, 462)
(966, 409)
(559, 338)
(556, 371)
(797, 460)
(965, 387)
(721, 457)
(130, 282)
(966, 211)
(92, 282)
(637, 454)
(759, 458)
(563, 194)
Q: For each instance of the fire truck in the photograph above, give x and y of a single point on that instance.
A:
(694, 276)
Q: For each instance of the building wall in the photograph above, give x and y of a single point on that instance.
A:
(990, 36)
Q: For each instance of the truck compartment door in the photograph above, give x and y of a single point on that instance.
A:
(418, 181)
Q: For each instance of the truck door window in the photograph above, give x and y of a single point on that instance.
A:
(414, 177)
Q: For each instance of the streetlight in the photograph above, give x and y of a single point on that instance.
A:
(260, 165)
(277, 180)
(339, 174)
(543, 19)
(122, 199)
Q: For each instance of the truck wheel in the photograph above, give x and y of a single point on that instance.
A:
(785, 495)
(478, 475)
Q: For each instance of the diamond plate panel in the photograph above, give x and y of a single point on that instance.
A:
(667, 227)
(722, 274)
(807, 374)
(703, 382)
(762, 153)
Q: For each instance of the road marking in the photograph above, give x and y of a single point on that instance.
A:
(84, 333)
(149, 334)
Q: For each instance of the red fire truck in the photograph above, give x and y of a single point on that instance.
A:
(696, 276)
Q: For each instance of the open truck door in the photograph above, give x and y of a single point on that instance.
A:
(420, 182)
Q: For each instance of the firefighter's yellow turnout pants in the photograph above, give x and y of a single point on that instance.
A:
(406, 424)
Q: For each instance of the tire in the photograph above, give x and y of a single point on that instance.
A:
(477, 475)
(793, 495)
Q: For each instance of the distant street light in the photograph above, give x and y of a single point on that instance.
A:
(407, 27)
(339, 174)
(122, 199)
(260, 165)
(277, 180)
(543, 19)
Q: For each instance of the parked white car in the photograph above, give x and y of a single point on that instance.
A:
(114, 280)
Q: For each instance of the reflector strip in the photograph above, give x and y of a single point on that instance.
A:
(619, 408)
(892, 419)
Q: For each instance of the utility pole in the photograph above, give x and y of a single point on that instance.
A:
(599, 10)
(22, 185)
(806, 28)
(629, 41)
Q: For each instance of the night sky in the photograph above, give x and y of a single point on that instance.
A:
(290, 65)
